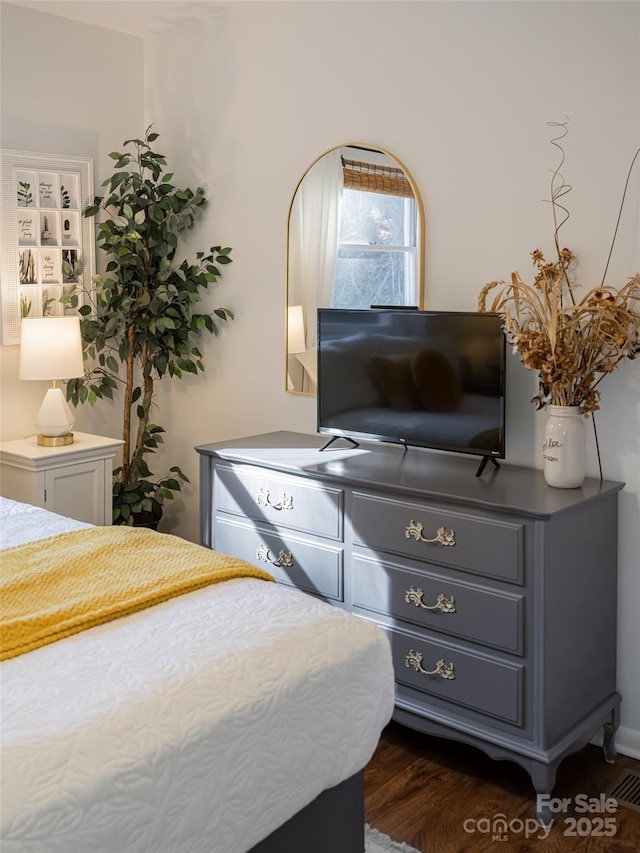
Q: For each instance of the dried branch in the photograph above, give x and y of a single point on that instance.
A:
(572, 343)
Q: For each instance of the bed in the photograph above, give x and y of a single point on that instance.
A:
(236, 717)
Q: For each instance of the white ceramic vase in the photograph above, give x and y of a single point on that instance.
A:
(564, 449)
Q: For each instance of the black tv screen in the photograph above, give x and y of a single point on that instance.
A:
(426, 378)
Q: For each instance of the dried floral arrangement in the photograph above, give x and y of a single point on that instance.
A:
(572, 342)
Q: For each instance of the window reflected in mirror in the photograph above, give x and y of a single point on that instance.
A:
(355, 240)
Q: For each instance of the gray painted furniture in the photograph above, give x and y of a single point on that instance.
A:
(497, 593)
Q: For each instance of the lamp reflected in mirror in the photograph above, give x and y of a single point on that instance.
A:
(295, 345)
(355, 239)
(295, 330)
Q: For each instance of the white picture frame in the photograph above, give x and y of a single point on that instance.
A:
(42, 226)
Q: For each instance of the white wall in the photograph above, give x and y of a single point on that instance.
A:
(65, 88)
(248, 96)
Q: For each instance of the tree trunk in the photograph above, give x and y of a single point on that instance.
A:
(143, 422)
(126, 422)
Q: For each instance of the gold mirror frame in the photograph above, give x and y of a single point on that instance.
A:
(299, 361)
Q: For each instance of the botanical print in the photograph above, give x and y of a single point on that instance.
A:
(47, 232)
(51, 304)
(65, 301)
(47, 303)
(70, 269)
(26, 304)
(27, 267)
(45, 239)
(25, 196)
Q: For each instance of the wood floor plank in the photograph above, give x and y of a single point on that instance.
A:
(440, 796)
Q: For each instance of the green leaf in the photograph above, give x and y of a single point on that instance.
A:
(175, 469)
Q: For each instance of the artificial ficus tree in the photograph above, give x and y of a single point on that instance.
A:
(141, 323)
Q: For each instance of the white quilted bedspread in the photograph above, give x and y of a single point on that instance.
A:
(197, 726)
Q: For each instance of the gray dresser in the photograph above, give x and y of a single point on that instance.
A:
(497, 593)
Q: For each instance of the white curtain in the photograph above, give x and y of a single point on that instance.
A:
(314, 228)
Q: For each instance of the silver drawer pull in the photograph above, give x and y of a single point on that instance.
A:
(415, 528)
(442, 670)
(445, 605)
(264, 497)
(285, 558)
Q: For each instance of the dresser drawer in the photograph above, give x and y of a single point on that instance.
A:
(280, 500)
(492, 687)
(311, 566)
(431, 600)
(485, 546)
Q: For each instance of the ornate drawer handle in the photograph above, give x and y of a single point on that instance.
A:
(445, 605)
(263, 497)
(415, 528)
(285, 559)
(442, 670)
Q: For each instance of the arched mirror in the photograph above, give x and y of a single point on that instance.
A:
(355, 239)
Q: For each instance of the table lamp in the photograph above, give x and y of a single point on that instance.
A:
(51, 348)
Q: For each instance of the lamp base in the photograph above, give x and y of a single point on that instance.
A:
(55, 440)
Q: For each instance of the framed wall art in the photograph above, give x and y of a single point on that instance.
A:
(47, 245)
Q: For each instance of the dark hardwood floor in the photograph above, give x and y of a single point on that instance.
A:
(424, 791)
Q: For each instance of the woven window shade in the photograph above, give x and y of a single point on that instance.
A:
(368, 177)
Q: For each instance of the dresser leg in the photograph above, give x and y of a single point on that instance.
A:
(543, 777)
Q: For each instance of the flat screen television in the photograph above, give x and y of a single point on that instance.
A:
(432, 379)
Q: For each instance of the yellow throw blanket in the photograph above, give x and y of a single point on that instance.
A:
(60, 585)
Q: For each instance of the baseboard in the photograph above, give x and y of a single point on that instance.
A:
(627, 742)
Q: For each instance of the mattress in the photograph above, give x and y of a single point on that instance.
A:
(200, 724)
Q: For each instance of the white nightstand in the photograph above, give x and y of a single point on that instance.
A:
(74, 480)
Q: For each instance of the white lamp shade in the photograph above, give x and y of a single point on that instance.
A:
(50, 348)
(295, 330)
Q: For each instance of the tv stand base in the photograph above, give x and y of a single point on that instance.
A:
(335, 438)
(483, 464)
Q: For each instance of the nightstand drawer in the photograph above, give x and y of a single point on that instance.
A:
(311, 566)
(487, 547)
(459, 675)
(431, 600)
(280, 500)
